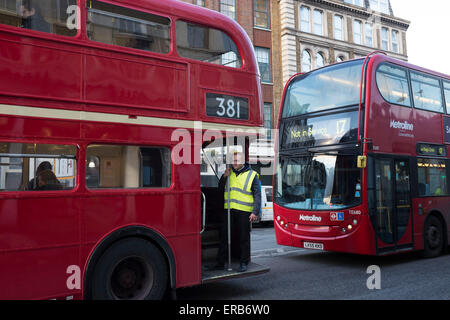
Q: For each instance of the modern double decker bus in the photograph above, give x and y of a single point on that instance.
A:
(364, 158)
(96, 98)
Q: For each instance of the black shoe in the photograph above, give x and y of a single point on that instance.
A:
(243, 267)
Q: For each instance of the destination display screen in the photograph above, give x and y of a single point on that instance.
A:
(319, 131)
(426, 149)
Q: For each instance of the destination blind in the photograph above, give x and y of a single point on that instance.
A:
(320, 131)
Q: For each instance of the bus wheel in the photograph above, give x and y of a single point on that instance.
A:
(131, 269)
(433, 237)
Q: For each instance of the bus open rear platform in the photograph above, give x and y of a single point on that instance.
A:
(253, 269)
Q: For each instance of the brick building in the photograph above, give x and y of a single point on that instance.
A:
(255, 18)
(292, 36)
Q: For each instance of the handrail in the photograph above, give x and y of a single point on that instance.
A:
(204, 213)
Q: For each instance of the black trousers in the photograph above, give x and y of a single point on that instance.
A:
(240, 231)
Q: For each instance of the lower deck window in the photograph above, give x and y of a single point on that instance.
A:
(127, 167)
(37, 167)
(432, 177)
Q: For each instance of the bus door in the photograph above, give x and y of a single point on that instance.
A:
(390, 209)
(213, 216)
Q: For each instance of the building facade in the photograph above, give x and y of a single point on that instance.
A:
(292, 36)
(255, 16)
(310, 34)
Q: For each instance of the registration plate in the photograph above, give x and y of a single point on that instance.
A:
(313, 245)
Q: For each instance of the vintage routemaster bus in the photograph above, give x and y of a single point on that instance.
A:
(94, 200)
(364, 159)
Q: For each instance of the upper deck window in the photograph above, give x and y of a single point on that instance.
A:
(50, 16)
(392, 82)
(128, 28)
(206, 44)
(447, 95)
(328, 88)
(427, 92)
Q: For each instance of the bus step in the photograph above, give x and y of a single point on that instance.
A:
(253, 269)
(210, 244)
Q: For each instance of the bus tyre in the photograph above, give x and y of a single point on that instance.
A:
(131, 269)
(433, 237)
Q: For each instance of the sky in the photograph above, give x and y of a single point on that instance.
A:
(428, 36)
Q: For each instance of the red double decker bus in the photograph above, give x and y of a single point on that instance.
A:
(94, 200)
(364, 159)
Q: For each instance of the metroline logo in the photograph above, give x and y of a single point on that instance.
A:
(405, 125)
(313, 218)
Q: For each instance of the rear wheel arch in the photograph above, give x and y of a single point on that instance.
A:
(130, 232)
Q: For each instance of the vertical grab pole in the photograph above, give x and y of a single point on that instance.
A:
(229, 224)
(228, 211)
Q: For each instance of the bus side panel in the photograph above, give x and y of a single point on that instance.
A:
(149, 84)
(38, 71)
(35, 259)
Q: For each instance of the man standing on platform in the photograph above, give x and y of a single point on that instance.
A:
(245, 206)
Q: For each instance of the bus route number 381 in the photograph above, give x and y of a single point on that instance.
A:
(226, 106)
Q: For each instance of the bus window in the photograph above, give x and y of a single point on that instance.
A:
(34, 167)
(427, 92)
(127, 167)
(392, 82)
(51, 16)
(432, 177)
(447, 95)
(206, 44)
(306, 93)
(127, 28)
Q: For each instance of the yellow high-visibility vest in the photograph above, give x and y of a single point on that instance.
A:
(241, 197)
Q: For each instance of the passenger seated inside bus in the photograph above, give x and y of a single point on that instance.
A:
(32, 16)
(33, 184)
(47, 181)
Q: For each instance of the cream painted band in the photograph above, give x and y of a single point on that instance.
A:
(49, 113)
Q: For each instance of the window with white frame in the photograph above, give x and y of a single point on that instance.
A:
(385, 39)
(395, 46)
(200, 3)
(263, 58)
(368, 35)
(340, 58)
(355, 2)
(338, 27)
(228, 8)
(320, 60)
(357, 32)
(268, 122)
(318, 22)
(305, 19)
(306, 61)
(261, 14)
(380, 5)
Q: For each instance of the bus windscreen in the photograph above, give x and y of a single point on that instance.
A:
(324, 89)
